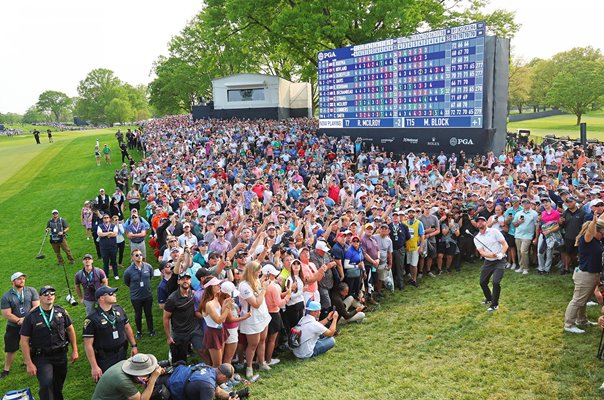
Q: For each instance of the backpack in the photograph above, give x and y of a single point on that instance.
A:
(294, 339)
(23, 394)
(179, 379)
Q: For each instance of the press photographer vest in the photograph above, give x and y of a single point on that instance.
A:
(413, 243)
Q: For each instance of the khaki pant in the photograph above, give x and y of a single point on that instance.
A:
(524, 247)
(585, 283)
(358, 317)
(62, 245)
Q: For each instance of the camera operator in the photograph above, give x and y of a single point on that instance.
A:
(58, 228)
(87, 281)
(119, 382)
(204, 383)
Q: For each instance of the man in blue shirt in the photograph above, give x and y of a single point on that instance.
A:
(525, 222)
(509, 215)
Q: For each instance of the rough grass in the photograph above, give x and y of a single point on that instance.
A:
(436, 342)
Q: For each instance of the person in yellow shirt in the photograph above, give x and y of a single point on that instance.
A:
(416, 230)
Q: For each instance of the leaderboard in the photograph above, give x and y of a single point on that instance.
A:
(427, 80)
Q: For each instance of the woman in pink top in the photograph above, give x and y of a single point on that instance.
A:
(275, 301)
(549, 236)
(312, 276)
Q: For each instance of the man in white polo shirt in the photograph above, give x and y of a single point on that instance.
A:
(491, 245)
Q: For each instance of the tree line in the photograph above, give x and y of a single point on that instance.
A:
(102, 99)
(572, 81)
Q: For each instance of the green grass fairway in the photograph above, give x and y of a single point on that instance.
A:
(436, 342)
(563, 125)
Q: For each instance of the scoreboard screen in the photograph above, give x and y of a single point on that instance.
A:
(428, 80)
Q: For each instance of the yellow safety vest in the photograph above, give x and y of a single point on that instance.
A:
(413, 243)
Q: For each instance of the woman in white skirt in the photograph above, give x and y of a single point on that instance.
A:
(255, 328)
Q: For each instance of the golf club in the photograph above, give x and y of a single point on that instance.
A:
(478, 240)
(40, 255)
(600, 348)
(70, 299)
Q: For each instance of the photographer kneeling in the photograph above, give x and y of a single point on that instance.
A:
(201, 382)
(119, 382)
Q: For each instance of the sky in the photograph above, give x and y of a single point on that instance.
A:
(53, 45)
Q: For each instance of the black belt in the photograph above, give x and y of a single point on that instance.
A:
(49, 352)
(104, 353)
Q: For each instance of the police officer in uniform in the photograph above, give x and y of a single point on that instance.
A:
(46, 333)
(107, 333)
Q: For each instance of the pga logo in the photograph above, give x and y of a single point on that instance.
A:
(455, 141)
(326, 54)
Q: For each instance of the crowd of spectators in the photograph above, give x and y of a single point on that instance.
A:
(291, 217)
(268, 234)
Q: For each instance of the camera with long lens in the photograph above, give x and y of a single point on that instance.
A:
(243, 393)
(167, 366)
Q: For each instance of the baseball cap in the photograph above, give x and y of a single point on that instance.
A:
(173, 249)
(269, 269)
(229, 288)
(17, 275)
(515, 198)
(45, 289)
(340, 234)
(481, 218)
(103, 290)
(596, 202)
(163, 264)
(321, 245)
(226, 370)
(55, 211)
(87, 255)
(313, 306)
(185, 274)
(369, 225)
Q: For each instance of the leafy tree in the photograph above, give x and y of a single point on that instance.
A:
(283, 37)
(53, 102)
(138, 98)
(118, 110)
(95, 92)
(577, 87)
(520, 85)
(178, 86)
(543, 73)
(33, 115)
(10, 118)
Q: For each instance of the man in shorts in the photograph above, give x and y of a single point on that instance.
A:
(416, 241)
(15, 304)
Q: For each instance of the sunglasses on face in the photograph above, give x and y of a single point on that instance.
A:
(137, 255)
(48, 294)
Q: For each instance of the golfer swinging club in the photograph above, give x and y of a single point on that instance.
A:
(491, 245)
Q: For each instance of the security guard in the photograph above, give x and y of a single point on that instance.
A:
(107, 333)
(46, 333)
